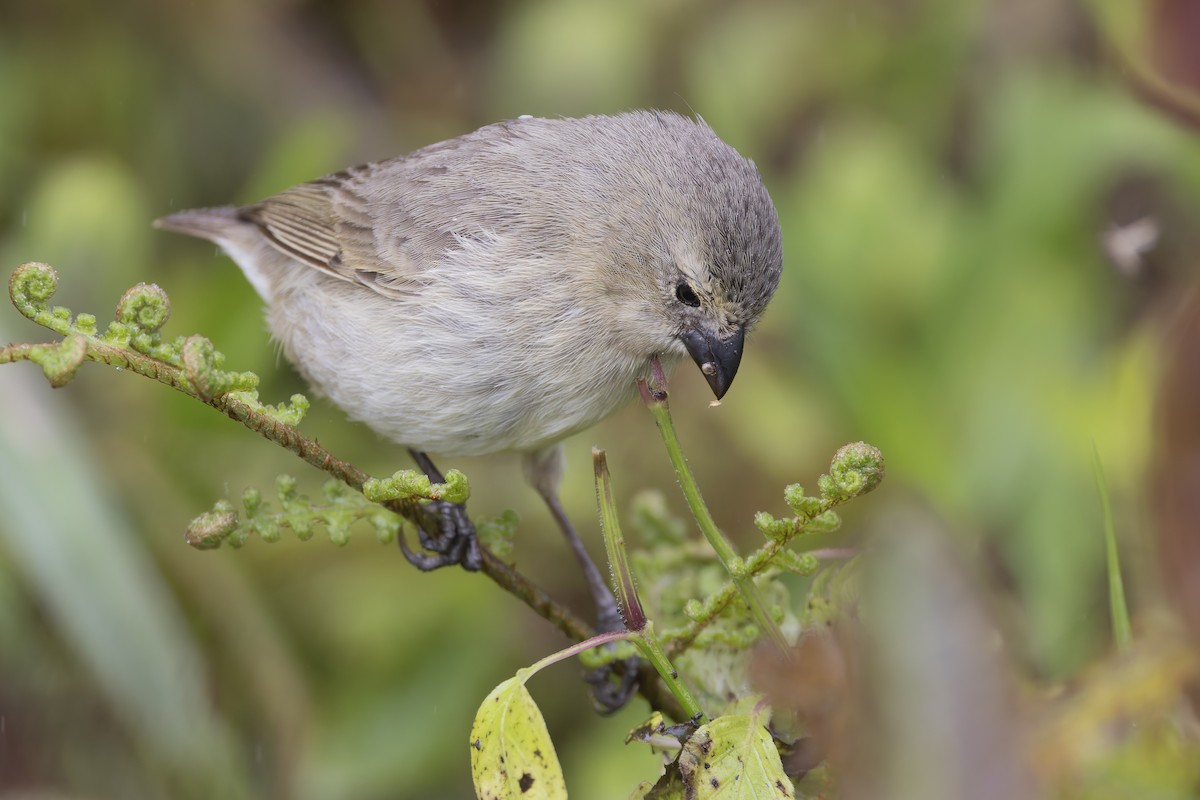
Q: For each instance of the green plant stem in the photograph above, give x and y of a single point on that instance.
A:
(614, 543)
(682, 641)
(640, 628)
(647, 644)
(599, 640)
(729, 558)
(755, 565)
(1121, 627)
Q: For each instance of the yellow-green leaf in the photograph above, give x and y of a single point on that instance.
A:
(733, 758)
(512, 757)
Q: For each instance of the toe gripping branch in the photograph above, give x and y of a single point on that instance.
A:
(455, 541)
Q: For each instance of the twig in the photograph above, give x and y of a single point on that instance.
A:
(191, 366)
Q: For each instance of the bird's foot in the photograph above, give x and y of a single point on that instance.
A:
(454, 542)
(614, 683)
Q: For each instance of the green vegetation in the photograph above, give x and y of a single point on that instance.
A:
(960, 185)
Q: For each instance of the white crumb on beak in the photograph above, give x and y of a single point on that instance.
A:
(714, 403)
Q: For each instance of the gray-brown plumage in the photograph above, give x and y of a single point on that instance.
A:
(505, 289)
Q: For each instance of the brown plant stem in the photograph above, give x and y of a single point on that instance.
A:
(314, 454)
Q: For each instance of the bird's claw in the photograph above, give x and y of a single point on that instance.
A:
(613, 684)
(455, 544)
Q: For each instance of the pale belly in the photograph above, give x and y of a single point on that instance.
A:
(484, 380)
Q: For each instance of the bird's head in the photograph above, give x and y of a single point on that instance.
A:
(719, 264)
(691, 242)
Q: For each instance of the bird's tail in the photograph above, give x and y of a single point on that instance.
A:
(241, 240)
(214, 224)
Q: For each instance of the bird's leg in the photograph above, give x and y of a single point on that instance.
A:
(544, 469)
(608, 617)
(457, 543)
(613, 684)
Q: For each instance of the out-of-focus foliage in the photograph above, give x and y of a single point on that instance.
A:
(988, 210)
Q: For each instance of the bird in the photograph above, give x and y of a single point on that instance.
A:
(500, 291)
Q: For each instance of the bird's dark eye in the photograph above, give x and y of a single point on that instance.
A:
(685, 295)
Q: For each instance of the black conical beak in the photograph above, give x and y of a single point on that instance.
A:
(717, 358)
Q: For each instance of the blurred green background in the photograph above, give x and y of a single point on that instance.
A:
(946, 173)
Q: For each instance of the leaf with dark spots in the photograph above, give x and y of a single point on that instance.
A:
(715, 760)
(512, 755)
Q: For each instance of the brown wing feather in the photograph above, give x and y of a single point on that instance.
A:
(383, 224)
(327, 225)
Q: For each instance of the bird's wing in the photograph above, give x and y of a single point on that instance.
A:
(370, 224)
